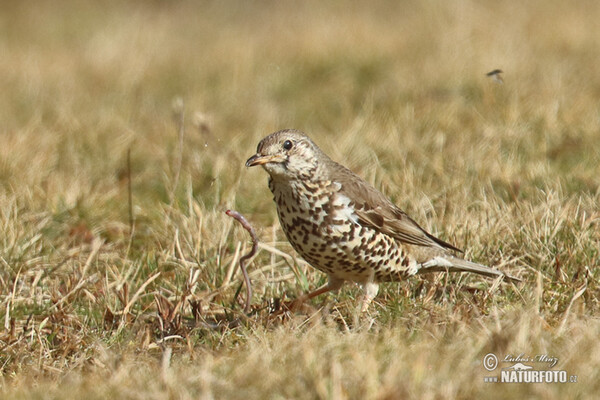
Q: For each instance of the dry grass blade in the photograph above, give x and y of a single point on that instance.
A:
(96, 245)
(563, 324)
(129, 193)
(136, 296)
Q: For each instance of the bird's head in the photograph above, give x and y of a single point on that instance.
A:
(287, 154)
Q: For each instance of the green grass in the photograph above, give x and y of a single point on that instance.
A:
(395, 91)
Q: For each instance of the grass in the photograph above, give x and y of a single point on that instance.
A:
(396, 91)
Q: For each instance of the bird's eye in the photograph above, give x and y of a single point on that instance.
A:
(287, 144)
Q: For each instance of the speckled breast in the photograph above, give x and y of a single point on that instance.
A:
(320, 224)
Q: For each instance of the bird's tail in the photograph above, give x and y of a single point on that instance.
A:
(454, 264)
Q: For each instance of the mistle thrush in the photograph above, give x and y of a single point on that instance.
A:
(342, 225)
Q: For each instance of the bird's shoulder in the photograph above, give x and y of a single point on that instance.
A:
(376, 211)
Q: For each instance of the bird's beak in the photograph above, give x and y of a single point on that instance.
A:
(258, 159)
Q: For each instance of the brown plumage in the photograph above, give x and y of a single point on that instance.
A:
(345, 227)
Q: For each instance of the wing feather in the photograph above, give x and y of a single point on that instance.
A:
(375, 211)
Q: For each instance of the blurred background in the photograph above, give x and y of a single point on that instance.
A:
(506, 168)
(83, 82)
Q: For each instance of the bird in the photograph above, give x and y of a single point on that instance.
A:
(343, 226)
(496, 76)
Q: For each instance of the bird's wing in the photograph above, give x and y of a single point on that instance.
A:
(375, 211)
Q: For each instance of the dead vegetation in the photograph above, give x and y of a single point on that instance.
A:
(125, 127)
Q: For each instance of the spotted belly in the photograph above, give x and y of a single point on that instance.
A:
(330, 240)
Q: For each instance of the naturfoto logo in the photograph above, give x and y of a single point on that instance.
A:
(522, 372)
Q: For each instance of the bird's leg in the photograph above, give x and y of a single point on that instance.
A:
(332, 285)
(371, 289)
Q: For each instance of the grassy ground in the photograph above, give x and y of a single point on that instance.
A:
(396, 91)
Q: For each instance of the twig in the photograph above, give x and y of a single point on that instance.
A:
(246, 225)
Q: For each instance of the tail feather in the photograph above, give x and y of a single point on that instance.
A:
(454, 264)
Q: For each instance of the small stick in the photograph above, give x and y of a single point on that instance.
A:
(246, 225)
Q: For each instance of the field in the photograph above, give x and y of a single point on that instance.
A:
(124, 131)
